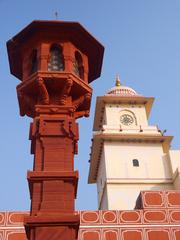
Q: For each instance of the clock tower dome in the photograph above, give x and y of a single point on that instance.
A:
(128, 155)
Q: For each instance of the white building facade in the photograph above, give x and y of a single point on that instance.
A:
(128, 155)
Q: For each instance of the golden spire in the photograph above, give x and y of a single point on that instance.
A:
(118, 81)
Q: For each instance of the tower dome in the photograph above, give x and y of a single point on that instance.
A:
(120, 90)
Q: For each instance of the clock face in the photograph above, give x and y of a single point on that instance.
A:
(126, 119)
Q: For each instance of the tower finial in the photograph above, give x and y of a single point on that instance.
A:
(118, 81)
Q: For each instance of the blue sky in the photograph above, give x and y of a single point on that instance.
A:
(142, 44)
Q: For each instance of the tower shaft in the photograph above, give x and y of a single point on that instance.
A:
(53, 181)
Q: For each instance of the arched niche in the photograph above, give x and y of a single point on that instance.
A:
(56, 58)
(78, 67)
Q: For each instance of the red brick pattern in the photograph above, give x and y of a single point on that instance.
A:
(158, 199)
(156, 217)
(139, 217)
(147, 223)
(11, 225)
(130, 233)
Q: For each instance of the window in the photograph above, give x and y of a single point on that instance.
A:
(56, 61)
(135, 163)
(34, 62)
(78, 65)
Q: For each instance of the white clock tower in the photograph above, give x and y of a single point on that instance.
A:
(128, 155)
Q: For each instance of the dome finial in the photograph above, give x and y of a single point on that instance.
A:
(118, 81)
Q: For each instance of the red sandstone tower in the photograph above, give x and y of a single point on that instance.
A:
(56, 61)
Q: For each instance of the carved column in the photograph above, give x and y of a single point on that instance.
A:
(54, 99)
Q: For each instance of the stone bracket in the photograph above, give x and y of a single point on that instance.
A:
(85, 99)
(65, 91)
(43, 93)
